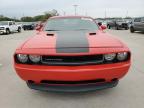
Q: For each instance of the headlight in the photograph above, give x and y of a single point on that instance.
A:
(109, 57)
(23, 58)
(35, 58)
(122, 56)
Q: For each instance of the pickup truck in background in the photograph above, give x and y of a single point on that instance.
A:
(118, 24)
(7, 27)
(137, 25)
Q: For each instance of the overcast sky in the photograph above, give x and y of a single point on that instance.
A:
(94, 8)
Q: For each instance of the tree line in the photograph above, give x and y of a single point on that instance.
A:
(42, 17)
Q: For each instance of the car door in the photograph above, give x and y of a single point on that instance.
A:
(137, 24)
(14, 26)
(10, 26)
(142, 24)
(112, 23)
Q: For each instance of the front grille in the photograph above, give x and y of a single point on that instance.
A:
(72, 60)
(125, 25)
(1, 28)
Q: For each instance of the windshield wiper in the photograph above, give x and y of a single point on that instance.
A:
(52, 30)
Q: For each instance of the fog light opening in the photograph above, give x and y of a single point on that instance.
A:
(30, 81)
(115, 79)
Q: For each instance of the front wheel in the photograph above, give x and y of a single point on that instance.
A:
(108, 26)
(19, 30)
(117, 27)
(7, 31)
(132, 30)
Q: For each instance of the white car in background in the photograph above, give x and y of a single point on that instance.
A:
(6, 27)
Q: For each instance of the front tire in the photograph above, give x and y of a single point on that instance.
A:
(117, 27)
(132, 30)
(19, 30)
(108, 26)
(7, 31)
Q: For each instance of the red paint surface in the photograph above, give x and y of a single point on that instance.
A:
(101, 43)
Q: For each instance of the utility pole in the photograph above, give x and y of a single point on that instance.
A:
(105, 14)
(126, 13)
(75, 7)
(86, 14)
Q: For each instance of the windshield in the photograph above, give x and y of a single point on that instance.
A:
(70, 24)
(3, 23)
(120, 20)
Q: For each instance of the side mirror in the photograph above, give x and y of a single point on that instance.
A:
(103, 27)
(39, 28)
(99, 23)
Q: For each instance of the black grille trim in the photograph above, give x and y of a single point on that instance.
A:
(73, 82)
(72, 60)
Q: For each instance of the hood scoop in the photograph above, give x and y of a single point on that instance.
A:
(91, 34)
(50, 34)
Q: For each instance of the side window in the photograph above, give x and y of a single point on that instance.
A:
(137, 20)
(142, 20)
(10, 23)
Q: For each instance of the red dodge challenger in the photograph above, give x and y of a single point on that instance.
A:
(72, 54)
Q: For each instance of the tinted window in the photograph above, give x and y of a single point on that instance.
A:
(142, 19)
(69, 24)
(13, 23)
(137, 20)
(10, 23)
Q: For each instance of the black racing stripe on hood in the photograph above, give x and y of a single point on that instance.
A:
(72, 42)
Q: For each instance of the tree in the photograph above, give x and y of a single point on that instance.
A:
(46, 15)
(43, 17)
(3, 18)
(27, 19)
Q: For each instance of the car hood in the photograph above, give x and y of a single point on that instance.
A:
(70, 39)
(122, 22)
(4, 26)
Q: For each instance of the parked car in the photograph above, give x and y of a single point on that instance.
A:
(129, 21)
(101, 22)
(20, 24)
(118, 24)
(72, 54)
(6, 27)
(28, 26)
(137, 25)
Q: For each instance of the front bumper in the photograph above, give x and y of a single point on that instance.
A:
(39, 73)
(72, 88)
(123, 26)
(2, 31)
